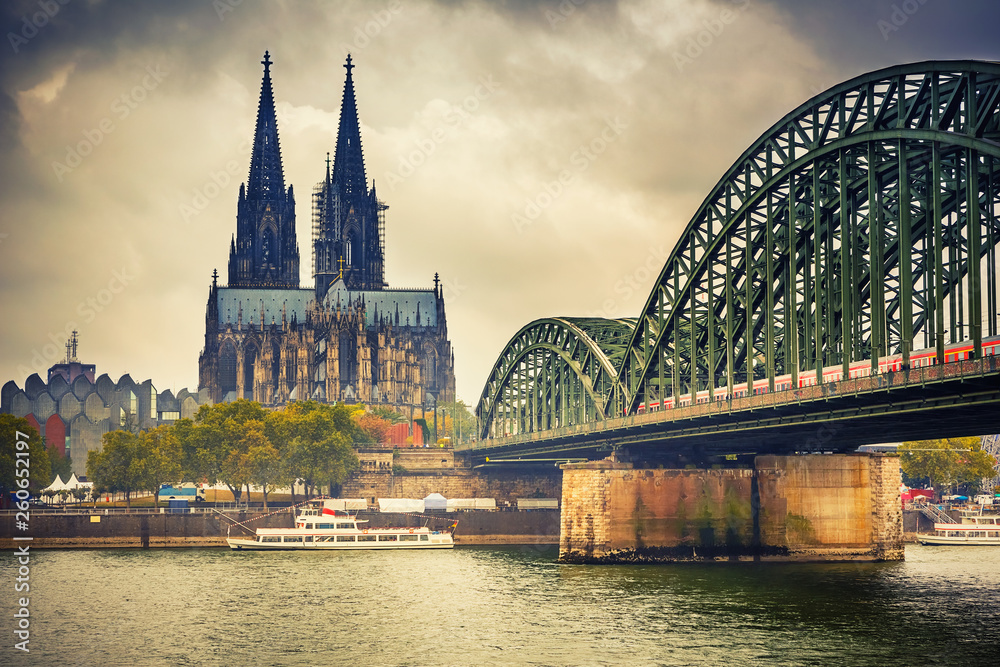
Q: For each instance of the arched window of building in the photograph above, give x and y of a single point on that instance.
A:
(227, 367)
(249, 366)
(347, 356)
(267, 249)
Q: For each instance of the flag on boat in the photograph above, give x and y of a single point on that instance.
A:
(331, 505)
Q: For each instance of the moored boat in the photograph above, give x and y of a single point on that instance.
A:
(318, 527)
(975, 529)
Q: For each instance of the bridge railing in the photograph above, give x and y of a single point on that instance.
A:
(868, 384)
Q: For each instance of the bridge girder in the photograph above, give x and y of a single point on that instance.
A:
(863, 224)
(554, 372)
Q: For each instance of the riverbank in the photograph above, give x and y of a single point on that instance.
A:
(209, 528)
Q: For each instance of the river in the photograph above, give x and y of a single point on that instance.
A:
(500, 606)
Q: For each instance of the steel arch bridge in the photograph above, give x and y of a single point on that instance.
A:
(862, 226)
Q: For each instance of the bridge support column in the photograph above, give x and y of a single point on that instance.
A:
(786, 508)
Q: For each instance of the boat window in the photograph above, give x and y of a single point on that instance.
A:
(345, 538)
(310, 525)
(324, 526)
(407, 538)
(366, 538)
(270, 538)
(324, 538)
(386, 538)
(296, 538)
(342, 526)
(424, 538)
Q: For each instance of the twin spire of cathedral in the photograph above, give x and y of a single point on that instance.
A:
(264, 252)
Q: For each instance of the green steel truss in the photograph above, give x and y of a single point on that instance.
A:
(863, 224)
(554, 372)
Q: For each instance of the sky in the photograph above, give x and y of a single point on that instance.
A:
(542, 157)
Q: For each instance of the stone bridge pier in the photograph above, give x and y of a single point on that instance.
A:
(840, 507)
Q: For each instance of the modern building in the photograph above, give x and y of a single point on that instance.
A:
(347, 338)
(73, 410)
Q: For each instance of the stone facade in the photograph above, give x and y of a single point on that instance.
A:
(842, 507)
(348, 339)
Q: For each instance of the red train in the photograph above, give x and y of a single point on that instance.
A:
(807, 378)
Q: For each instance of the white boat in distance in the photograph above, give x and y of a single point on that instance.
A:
(319, 527)
(976, 529)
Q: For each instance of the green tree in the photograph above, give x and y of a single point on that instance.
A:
(118, 467)
(319, 449)
(61, 465)
(211, 444)
(260, 459)
(22, 449)
(160, 457)
(461, 421)
(389, 415)
(946, 462)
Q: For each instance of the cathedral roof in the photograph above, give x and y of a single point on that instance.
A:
(400, 307)
(267, 180)
(248, 301)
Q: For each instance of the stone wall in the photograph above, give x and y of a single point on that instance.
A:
(453, 483)
(842, 507)
(209, 529)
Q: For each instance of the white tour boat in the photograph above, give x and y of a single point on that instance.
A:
(318, 527)
(976, 528)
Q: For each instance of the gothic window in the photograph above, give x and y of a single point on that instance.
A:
(291, 369)
(347, 251)
(347, 357)
(249, 366)
(267, 247)
(227, 367)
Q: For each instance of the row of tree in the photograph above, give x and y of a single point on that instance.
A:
(947, 462)
(239, 444)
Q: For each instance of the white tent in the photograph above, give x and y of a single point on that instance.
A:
(400, 505)
(56, 485)
(435, 501)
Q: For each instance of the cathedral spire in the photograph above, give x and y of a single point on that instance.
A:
(267, 180)
(348, 160)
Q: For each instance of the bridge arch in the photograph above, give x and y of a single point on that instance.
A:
(554, 372)
(863, 224)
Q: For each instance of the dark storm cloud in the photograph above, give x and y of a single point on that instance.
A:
(662, 119)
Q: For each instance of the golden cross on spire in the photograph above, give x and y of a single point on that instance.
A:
(341, 274)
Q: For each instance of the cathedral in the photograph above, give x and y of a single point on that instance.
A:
(348, 337)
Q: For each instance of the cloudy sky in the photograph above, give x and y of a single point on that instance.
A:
(543, 157)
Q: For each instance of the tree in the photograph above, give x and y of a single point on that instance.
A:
(61, 465)
(947, 461)
(22, 449)
(319, 450)
(160, 455)
(460, 424)
(210, 444)
(373, 428)
(261, 460)
(118, 466)
(390, 415)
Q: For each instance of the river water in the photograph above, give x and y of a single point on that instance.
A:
(490, 606)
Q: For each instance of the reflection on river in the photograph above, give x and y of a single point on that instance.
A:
(514, 605)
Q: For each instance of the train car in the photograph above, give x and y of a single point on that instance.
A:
(807, 378)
